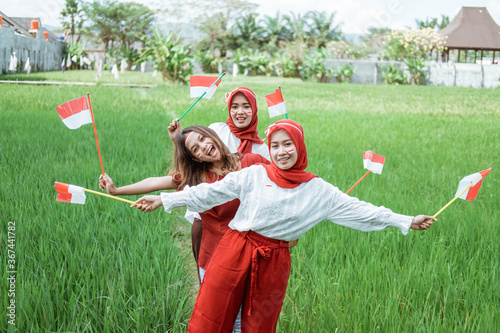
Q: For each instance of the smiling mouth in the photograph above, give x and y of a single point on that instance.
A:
(210, 150)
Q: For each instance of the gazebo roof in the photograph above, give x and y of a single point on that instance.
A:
(474, 29)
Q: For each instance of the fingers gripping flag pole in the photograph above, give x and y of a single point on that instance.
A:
(467, 188)
(76, 194)
(196, 89)
(373, 163)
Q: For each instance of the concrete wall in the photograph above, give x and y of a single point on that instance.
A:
(438, 74)
(44, 55)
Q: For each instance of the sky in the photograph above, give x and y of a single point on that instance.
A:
(355, 16)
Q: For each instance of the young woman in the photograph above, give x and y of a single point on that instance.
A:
(279, 203)
(200, 157)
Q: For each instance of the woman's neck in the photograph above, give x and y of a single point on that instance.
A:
(217, 167)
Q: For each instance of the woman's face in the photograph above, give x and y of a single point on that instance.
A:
(241, 111)
(283, 150)
(202, 147)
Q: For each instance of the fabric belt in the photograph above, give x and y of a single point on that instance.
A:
(263, 247)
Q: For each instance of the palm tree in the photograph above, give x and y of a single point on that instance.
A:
(321, 28)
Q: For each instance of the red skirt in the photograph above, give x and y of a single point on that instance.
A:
(249, 269)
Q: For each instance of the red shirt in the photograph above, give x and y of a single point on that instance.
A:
(215, 221)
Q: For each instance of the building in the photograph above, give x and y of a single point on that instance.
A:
(26, 38)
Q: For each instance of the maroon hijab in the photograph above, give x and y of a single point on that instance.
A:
(296, 175)
(249, 134)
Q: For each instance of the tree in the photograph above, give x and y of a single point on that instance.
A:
(172, 59)
(247, 33)
(376, 40)
(433, 23)
(321, 28)
(71, 17)
(112, 21)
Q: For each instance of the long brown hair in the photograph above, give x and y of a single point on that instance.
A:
(194, 172)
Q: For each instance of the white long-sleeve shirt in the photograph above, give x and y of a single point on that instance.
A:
(283, 213)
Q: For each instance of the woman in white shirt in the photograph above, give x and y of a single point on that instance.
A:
(279, 203)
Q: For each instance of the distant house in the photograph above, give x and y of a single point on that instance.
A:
(26, 38)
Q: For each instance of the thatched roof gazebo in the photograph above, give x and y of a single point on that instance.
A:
(472, 29)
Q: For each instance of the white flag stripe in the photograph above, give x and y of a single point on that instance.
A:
(78, 119)
(373, 166)
(198, 91)
(464, 183)
(277, 110)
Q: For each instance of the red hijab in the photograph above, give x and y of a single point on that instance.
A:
(249, 134)
(296, 175)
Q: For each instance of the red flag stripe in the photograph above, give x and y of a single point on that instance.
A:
(203, 81)
(369, 155)
(62, 187)
(64, 197)
(274, 98)
(72, 107)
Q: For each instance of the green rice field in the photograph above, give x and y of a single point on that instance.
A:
(106, 267)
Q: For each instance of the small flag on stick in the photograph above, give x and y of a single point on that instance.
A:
(276, 104)
(467, 188)
(70, 193)
(203, 86)
(75, 113)
(76, 194)
(373, 163)
(206, 88)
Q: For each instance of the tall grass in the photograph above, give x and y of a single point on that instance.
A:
(104, 267)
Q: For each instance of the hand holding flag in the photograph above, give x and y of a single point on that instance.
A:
(276, 104)
(373, 163)
(467, 188)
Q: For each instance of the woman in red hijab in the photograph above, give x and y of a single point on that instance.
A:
(278, 204)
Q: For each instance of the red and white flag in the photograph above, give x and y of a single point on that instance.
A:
(475, 180)
(75, 113)
(373, 162)
(199, 84)
(70, 193)
(276, 104)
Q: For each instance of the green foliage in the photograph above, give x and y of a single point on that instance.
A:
(417, 68)
(394, 75)
(171, 59)
(121, 23)
(433, 23)
(208, 60)
(313, 66)
(76, 50)
(344, 73)
(72, 17)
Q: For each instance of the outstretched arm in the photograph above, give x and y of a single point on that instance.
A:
(147, 185)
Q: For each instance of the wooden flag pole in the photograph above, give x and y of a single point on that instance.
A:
(353, 186)
(110, 196)
(220, 78)
(95, 132)
(286, 114)
(449, 203)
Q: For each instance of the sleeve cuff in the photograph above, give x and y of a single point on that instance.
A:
(402, 222)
